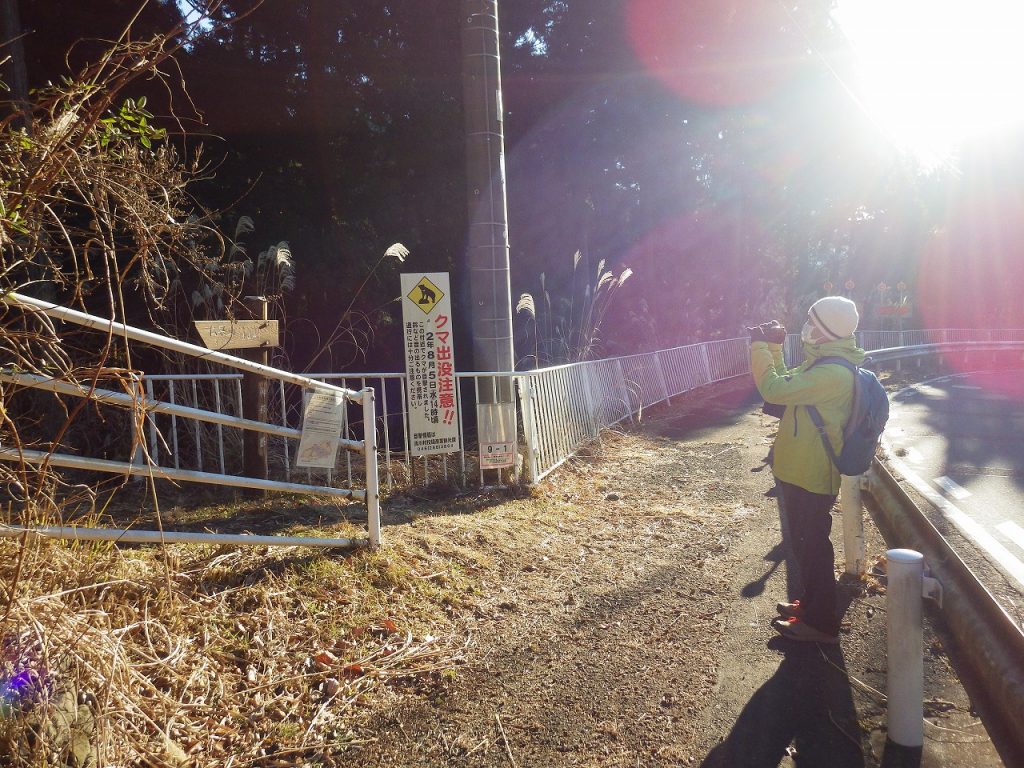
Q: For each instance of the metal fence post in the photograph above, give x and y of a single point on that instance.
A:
(372, 479)
(525, 385)
(905, 676)
(174, 425)
(706, 359)
(661, 379)
(625, 392)
(154, 455)
(853, 523)
(593, 417)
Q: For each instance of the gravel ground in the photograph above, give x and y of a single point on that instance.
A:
(627, 623)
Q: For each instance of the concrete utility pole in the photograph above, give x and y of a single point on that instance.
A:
(487, 249)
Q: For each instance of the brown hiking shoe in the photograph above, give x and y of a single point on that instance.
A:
(789, 610)
(794, 629)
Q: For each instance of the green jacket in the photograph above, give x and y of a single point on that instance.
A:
(799, 456)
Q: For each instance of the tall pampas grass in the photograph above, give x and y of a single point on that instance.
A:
(568, 329)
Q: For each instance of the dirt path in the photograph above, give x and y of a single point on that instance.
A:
(628, 625)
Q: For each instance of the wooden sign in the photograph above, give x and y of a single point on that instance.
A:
(239, 334)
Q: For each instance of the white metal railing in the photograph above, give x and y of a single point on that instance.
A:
(560, 408)
(363, 400)
(190, 446)
(566, 406)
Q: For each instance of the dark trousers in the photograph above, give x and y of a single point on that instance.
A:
(809, 517)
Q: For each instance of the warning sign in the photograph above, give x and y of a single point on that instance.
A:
(425, 294)
(323, 418)
(430, 364)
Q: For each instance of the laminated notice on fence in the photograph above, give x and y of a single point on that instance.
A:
(497, 425)
(430, 363)
(323, 418)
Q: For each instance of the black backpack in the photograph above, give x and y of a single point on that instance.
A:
(868, 416)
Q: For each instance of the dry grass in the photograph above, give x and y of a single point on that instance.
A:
(207, 655)
(204, 655)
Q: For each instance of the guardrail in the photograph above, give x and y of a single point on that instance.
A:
(560, 408)
(989, 662)
(991, 659)
(566, 406)
(363, 401)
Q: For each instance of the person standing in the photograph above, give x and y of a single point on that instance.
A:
(807, 479)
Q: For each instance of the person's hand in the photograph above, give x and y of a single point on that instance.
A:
(774, 332)
(756, 333)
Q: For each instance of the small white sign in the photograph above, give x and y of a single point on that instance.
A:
(496, 455)
(322, 421)
(497, 425)
(430, 363)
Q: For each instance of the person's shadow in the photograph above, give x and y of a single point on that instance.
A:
(783, 551)
(804, 710)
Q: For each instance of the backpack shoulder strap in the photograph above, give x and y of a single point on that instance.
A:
(819, 424)
(815, 415)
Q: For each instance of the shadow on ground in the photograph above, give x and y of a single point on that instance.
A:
(805, 710)
(703, 412)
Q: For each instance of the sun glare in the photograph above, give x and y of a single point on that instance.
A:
(934, 73)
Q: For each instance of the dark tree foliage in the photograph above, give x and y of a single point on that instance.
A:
(340, 123)
(62, 36)
(713, 147)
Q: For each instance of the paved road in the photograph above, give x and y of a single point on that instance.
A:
(960, 441)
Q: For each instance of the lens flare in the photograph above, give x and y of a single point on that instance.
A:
(716, 52)
(972, 272)
(972, 277)
(16, 690)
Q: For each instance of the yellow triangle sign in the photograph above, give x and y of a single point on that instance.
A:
(425, 295)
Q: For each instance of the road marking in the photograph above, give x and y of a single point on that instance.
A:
(965, 523)
(1013, 532)
(933, 393)
(958, 492)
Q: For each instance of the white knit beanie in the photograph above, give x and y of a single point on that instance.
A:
(835, 316)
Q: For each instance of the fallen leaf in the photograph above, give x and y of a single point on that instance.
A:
(324, 660)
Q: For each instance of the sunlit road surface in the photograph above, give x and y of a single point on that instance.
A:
(959, 441)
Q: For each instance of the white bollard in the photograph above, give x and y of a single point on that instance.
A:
(906, 648)
(853, 524)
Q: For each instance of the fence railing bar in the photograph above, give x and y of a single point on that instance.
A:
(135, 536)
(166, 473)
(123, 400)
(164, 342)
